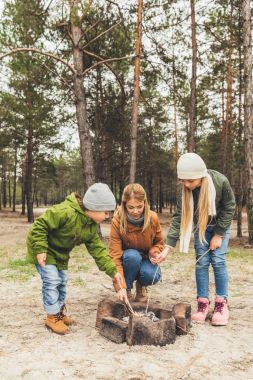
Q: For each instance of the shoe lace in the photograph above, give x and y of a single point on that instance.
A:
(63, 308)
(218, 307)
(202, 306)
(58, 317)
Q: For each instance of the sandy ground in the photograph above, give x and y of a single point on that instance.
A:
(29, 351)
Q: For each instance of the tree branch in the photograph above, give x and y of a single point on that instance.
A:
(35, 50)
(101, 34)
(103, 61)
(86, 11)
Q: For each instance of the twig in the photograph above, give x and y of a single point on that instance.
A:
(202, 256)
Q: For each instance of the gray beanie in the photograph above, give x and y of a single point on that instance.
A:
(191, 166)
(99, 197)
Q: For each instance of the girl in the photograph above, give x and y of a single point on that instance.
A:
(135, 242)
(208, 202)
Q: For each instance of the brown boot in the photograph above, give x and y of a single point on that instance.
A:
(141, 293)
(55, 323)
(67, 320)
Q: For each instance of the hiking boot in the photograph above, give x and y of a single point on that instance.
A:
(55, 323)
(66, 319)
(202, 311)
(221, 312)
(141, 293)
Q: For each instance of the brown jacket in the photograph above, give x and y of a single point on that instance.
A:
(134, 238)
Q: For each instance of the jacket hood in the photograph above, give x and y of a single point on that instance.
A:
(75, 201)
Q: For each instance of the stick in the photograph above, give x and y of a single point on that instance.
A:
(151, 289)
(202, 255)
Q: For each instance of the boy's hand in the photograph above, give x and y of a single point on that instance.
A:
(118, 280)
(41, 257)
(122, 295)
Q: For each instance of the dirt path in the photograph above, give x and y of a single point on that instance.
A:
(29, 351)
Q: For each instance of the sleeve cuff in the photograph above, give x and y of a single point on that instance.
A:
(219, 231)
(171, 241)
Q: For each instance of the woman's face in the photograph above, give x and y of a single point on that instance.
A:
(191, 184)
(135, 208)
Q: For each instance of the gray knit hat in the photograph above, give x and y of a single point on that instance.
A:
(99, 197)
(191, 166)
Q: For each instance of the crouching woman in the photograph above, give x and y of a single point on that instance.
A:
(136, 243)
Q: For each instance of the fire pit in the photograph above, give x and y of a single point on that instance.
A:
(158, 328)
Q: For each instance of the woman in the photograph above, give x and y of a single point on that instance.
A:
(135, 242)
(207, 202)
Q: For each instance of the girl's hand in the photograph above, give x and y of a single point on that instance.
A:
(122, 295)
(215, 242)
(41, 258)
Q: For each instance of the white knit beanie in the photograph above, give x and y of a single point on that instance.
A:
(99, 197)
(191, 166)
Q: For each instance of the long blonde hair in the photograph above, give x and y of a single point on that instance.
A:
(133, 191)
(201, 211)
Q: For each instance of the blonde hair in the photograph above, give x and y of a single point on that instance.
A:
(133, 191)
(201, 211)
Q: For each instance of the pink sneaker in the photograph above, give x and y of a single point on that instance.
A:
(221, 312)
(203, 309)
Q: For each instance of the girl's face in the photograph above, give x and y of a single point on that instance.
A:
(135, 208)
(191, 184)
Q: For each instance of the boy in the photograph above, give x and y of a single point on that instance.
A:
(52, 237)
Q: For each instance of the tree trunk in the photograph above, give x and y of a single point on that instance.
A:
(28, 176)
(9, 189)
(23, 197)
(175, 107)
(248, 116)
(133, 151)
(14, 179)
(240, 171)
(3, 186)
(81, 107)
(227, 134)
(192, 116)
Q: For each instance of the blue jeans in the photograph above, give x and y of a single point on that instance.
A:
(217, 258)
(137, 268)
(54, 284)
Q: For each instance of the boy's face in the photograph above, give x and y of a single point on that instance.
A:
(99, 216)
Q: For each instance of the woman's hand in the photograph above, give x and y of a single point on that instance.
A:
(41, 258)
(215, 242)
(122, 295)
(161, 256)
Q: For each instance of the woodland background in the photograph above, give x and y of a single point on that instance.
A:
(115, 91)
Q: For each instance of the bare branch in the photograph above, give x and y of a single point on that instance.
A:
(101, 34)
(35, 50)
(86, 11)
(89, 29)
(104, 61)
(101, 60)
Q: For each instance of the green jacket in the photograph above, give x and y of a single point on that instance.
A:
(225, 206)
(60, 229)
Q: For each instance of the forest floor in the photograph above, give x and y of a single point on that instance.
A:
(29, 351)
